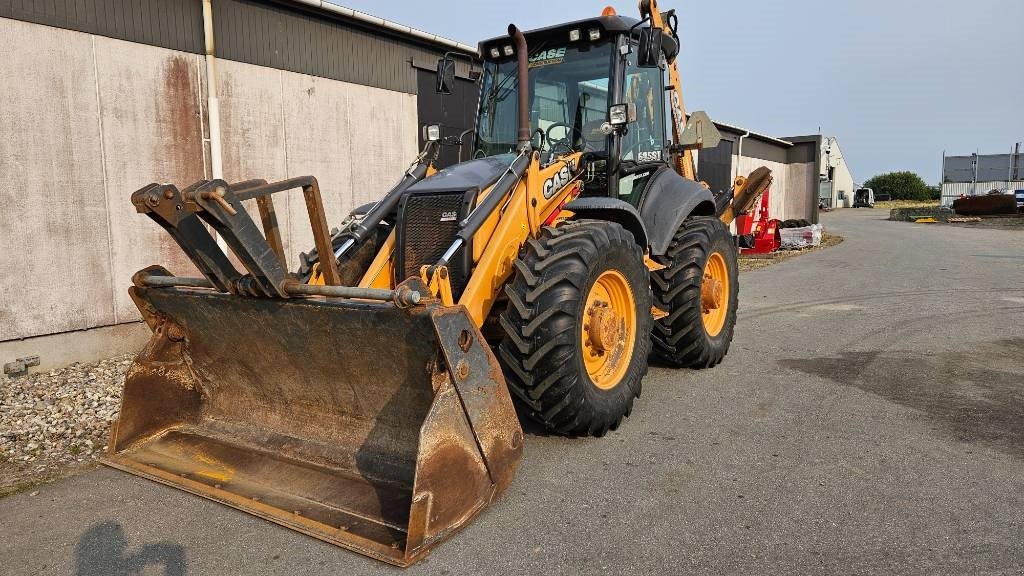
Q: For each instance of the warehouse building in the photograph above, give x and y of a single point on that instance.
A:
(101, 98)
(795, 163)
(979, 174)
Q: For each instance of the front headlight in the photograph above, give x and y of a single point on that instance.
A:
(432, 132)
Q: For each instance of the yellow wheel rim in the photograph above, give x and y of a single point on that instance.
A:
(609, 329)
(714, 294)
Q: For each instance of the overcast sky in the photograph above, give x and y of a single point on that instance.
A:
(896, 81)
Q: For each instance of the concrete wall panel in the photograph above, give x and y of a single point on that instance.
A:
(319, 143)
(53, 225)
(87, 120)
(253, 130)
(802, 198)
(794, 188)
(151, 114)
(355, 139)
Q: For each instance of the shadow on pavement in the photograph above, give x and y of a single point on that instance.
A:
(103, 551)
(975, 396)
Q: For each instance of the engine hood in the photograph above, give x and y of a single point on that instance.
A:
(473, 174)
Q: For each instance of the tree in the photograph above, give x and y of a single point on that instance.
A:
(900, 186)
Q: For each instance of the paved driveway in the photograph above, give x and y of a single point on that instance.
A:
(869, 419)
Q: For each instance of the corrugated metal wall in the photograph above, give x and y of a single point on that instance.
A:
(269, 35)
(953, 190)
(259, 32)
(174, 24)
(991, 168)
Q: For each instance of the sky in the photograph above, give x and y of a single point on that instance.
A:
(897, 82)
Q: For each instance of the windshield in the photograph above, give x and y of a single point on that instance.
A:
(568, 100)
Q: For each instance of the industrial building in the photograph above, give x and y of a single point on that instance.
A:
(978, 174)
(102, 98)
(806, 169)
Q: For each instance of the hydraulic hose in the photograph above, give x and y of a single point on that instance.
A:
(387, 204)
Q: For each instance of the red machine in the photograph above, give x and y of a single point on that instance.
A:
(765, 230)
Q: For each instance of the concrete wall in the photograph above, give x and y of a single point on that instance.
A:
(87, 120)
(794, 187)
(355, 139)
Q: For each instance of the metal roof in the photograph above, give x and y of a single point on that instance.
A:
(753, 134)
(363, 17)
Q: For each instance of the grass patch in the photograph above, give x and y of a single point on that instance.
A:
(751, 262)
(19, 487)
(890, 204)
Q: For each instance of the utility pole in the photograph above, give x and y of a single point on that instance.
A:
(974, 180)
(1015, 161)
(942, 180)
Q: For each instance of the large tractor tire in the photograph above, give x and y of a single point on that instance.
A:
(698, 290)
(577, 327)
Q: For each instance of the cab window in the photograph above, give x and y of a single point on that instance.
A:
(644, 143)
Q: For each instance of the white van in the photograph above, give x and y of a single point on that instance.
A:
(864, 198)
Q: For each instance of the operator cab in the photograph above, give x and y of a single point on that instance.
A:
(588, 94)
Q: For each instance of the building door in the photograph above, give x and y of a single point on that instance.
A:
(455, 113)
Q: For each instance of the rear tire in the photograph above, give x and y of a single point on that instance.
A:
(684, 338)
(562, 283)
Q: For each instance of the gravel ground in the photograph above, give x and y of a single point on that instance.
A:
(56, 422)
(758, 261)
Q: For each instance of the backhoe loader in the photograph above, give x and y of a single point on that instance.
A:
(369, 397)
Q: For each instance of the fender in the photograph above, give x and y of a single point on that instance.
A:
(666, 202)
(612, 210)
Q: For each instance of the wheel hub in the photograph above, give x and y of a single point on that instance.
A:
(714, 294)
(605, 327)
(609, 329)
(711, 291)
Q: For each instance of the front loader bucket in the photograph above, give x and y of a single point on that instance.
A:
(380, 429)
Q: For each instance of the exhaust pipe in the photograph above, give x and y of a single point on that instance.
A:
(523, 69)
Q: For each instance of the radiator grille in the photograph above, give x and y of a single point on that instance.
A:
(428, 225)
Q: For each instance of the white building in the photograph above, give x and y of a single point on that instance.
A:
(836, 184)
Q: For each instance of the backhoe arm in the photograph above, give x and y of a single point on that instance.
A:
(682, 159)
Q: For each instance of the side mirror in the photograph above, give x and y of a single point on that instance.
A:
(700, 132)
(649, 51)
(445, 75)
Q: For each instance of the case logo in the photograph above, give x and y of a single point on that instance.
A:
(559, 180)
(547, 57)
(449, 216)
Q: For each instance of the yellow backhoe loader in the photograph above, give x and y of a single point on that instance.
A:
(364, 398)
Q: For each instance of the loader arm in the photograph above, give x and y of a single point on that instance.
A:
(681, 160)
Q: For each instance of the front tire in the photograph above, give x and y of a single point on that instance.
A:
(699, 325)
(577, 327)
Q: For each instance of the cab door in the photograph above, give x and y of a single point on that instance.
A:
(643, 147)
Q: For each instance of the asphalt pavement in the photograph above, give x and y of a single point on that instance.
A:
(869, 419)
